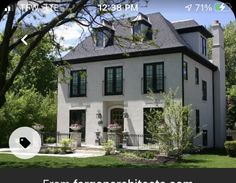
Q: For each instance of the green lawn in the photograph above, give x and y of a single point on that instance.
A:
(193, 161)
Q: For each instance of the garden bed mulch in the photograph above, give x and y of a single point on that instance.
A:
(157, 160)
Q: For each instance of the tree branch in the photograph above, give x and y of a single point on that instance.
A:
(34, 43)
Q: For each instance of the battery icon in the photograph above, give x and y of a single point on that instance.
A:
(222, 7)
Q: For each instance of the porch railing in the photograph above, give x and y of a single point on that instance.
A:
(129, 141)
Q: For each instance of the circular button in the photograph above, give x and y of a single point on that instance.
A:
(25, 143)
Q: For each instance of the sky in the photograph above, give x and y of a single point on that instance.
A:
(202, 11)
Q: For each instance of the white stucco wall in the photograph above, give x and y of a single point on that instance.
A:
(193, 96)
(133, 100)
(195, 41)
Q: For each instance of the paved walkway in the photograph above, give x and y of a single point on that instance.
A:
(83, 153)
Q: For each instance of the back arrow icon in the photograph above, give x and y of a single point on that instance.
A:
(23, 40)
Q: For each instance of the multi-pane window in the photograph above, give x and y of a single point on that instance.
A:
(197, 121)
(104, 37)
(142, 31)
(196, 76)
(78, 83)
(204, 90)
(114, 80)
(204, 46)
(154, 77)
(185, 70)
(99, 38)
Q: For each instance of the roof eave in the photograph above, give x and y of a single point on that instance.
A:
(199, 28)
(180, 49)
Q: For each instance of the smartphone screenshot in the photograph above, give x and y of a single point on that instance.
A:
(117, 91)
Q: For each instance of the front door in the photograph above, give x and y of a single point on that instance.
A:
(78, 117)
(117, 117)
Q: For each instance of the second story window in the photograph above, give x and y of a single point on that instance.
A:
(114, 80)
(154, 77)
(204, 46)
(185, 70)
(78, 83)
(204, 90)
(196, 76)
(197, 121)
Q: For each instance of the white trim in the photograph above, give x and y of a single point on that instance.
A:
(184, 20)
(79, 68)
(113, 65)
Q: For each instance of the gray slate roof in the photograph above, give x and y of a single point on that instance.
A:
(166, 37)
(185, 24)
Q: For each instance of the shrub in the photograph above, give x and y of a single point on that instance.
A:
(57, 151)
(147, 154)
(47, 150)
(66, 144)
(169, 126)
(50, 140)
(108, 147)
(130, 155)
(24, 109)
(230, 147)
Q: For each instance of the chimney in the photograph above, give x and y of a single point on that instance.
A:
(218, 59)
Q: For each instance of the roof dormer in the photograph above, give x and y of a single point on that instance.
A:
(141, 28)
(104, 34)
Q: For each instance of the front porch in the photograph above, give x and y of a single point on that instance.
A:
(121, 140)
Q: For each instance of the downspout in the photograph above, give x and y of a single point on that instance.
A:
(182, 79)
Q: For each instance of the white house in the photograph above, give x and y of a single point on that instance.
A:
(110, 82)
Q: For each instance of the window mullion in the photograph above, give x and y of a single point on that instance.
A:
(78, 85)
(114, 81)
(154, 79)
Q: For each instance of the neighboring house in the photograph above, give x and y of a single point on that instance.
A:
(107, 85)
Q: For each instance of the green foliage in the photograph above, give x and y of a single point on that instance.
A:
(66, 144)
(147, 154)
(24, 109)
(230, 147)
(230, 56)
(50, 140)
(108, 146)
(170, 128)
(231, 108)
(38, 71)
(230, 50)
(51, 150)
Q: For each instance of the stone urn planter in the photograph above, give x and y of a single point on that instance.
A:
(115, 137)
(75, 127)
(98, 138)
(76, 135)
(114, 127)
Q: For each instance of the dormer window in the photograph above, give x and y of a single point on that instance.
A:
(142, 28)
(104, 35)
(99, 39)
(204, 46)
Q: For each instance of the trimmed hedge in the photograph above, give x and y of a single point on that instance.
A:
(230, 147)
